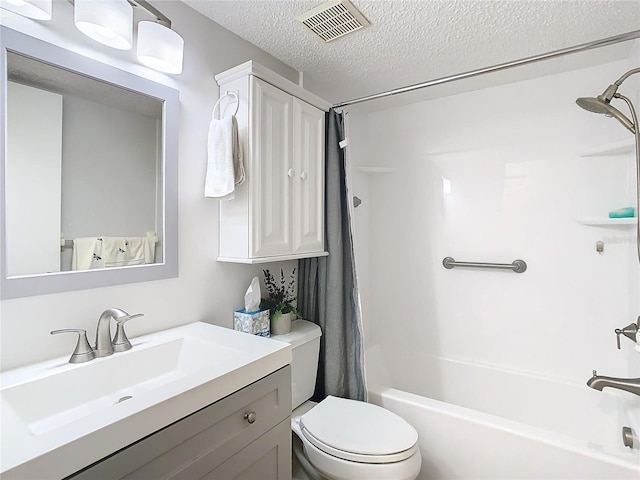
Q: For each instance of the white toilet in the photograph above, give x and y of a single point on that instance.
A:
(340, 439)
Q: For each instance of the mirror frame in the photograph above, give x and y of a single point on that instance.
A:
(41, 284)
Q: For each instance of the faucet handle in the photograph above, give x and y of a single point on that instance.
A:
(120, 341)
(83, 351)
(630, 331)
(128, 317)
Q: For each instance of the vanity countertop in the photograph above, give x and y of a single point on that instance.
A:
(58, 417)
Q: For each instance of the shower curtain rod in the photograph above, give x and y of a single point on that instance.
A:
(495, 68)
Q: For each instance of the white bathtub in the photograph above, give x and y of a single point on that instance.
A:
(481, 422)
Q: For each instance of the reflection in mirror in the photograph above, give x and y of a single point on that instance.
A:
(89, 172)
(84, 158)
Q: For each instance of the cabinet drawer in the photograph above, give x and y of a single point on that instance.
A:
(216, 432)
(267, 458)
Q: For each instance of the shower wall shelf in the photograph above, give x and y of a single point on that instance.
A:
(614, 148)
(607, 222)
(369, 169)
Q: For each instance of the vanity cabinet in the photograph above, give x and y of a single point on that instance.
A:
(246, 435)
(278, 213)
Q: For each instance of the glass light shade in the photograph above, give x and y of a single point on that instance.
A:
(36, 9)
(109, 22)
(160, 47)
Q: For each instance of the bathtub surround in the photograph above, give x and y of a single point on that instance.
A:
(492, 175)
(327, 287)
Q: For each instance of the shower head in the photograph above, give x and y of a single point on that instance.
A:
(601, 105)
(593, 104)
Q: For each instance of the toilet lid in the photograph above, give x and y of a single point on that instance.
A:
(359, 431)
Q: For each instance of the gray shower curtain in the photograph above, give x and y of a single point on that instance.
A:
(327, 290)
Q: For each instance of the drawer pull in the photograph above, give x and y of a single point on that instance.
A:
(250, 417)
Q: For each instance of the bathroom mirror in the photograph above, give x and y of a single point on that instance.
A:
(88, 152)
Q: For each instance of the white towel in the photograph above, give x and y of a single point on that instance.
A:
(86, 254)
(224, 165)
(238, 161)
(124, 251)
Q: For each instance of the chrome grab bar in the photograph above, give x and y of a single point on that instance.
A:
(518, 266)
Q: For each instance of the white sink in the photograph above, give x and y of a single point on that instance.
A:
(100, 384)
(52, 409)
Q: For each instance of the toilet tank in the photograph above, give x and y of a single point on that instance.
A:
(304, 339)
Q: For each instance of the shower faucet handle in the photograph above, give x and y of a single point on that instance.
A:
(630, 331)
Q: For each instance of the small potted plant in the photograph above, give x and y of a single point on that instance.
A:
(280, 301)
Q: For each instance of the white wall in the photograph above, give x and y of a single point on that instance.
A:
(205, 290)
(109, 166)
(34, 141)
(518, 185)
(108, 170)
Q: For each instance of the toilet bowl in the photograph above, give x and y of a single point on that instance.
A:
(346, 439)
(343, 439)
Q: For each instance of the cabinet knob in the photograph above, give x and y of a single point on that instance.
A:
(250, 417)
(291, 172)
(304, 175)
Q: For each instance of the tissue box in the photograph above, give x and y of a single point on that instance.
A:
(256, 322)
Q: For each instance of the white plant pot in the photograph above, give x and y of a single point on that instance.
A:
(282, 324)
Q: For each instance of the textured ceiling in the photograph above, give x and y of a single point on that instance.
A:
(414, 41)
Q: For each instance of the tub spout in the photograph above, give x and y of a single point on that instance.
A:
(631, 385)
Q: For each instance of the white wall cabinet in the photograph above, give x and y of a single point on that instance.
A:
(278, 213)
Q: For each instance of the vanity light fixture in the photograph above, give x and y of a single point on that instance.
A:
(36, 9)
(111, 22)
(159, 47)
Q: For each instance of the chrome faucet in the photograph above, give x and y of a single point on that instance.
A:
(104, 345)
(631, 385)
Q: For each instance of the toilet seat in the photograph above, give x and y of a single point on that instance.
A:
(358, 432)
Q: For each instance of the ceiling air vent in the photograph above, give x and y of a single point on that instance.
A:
(333, 19)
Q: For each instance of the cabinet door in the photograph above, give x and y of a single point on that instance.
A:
(308, 157)
(271, 170)
(267, 458)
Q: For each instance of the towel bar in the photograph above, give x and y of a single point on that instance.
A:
(69, 243)
(228, 93)
(518, 266)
